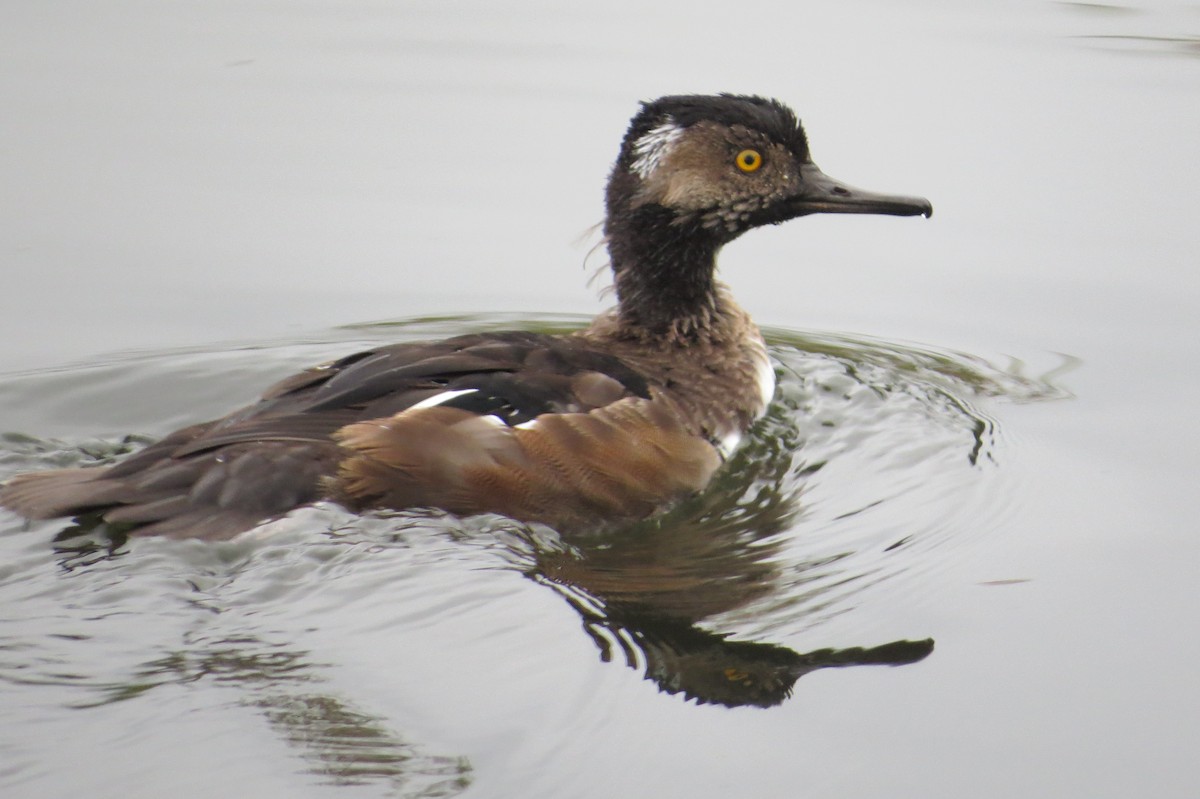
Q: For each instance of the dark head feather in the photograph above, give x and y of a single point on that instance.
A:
(770, 117)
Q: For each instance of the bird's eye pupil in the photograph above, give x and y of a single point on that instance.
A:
(748, 160)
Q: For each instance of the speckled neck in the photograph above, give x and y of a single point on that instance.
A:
(665, 283)
(663, 268)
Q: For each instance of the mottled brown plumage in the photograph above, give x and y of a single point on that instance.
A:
(604, 425)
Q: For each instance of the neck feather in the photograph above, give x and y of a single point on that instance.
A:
(664, 275)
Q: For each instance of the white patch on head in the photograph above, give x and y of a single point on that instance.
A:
(653, 146)
(438, 399)
(532, 423)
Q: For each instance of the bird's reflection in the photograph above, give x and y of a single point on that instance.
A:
(642, 604)
(648, 594)
(643, 593)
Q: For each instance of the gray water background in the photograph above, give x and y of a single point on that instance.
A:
(197, 197)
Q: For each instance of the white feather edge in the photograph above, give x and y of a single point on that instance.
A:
(438, 399)
(653, 146)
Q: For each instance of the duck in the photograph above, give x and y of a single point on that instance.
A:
(610, 424)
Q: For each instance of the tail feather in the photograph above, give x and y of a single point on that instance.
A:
(213, 495)
(61, 492)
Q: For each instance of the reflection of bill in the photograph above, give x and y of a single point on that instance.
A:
(709, 667)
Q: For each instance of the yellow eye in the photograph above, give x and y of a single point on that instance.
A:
(748, 160)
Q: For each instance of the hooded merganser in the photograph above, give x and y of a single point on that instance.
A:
(607, 424)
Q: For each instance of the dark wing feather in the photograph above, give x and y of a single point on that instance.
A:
(217, 479)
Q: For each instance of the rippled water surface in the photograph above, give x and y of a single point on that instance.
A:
(872, 458)
(957, 558)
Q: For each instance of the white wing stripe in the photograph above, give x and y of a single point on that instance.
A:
(438, 399)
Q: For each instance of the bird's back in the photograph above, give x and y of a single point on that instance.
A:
(538, 427)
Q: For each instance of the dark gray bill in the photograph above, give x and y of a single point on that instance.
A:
(821, 194)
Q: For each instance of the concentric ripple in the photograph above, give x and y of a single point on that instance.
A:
(871, 455)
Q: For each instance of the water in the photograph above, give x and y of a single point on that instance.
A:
(873, 457)
(971, 560)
